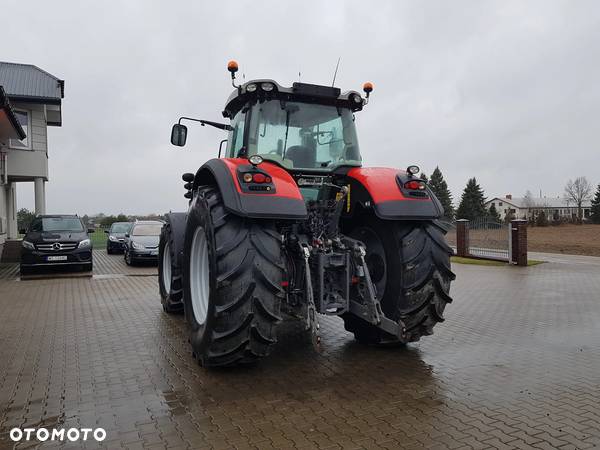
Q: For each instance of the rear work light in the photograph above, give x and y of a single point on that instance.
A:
(415, 185)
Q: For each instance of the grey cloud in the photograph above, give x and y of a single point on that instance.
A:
(505, 91)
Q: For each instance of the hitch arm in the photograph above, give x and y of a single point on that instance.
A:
(371, 311)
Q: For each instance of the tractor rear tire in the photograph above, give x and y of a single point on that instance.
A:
(169, 273)
(232, 275)
(409, 264)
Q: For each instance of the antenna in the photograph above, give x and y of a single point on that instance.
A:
(299, 75)
(336, 69)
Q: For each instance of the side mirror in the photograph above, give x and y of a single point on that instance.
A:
(126, 235)
(178, 135)
(91, 230)
(22, 231)
(106, 231)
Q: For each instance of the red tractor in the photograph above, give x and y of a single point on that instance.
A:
(289, 224)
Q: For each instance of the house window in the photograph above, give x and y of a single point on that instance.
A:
(499, 203)
(24, 118)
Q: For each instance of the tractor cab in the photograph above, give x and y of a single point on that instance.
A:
(305, 128)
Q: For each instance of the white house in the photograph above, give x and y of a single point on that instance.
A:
(529, 208)
(33, 97)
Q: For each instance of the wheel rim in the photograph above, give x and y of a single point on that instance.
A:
(375, 258)
(166, 268)
(199, 275)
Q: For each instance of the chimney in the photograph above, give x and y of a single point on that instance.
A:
(508, 196)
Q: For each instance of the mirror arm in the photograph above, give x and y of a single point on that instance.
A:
(220, 126)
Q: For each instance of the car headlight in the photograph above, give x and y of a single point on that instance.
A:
(84, 243)
(137, 246)
(28, 245)
(112, 238)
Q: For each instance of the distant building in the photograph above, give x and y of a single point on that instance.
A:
(30, 101)
(530, 208)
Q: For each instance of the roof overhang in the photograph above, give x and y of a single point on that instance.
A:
(9, 124)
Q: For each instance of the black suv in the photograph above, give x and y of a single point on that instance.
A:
(141, 243)
(116, 236)
(57, 240)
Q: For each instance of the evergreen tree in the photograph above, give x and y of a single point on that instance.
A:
(24, 218)
(472, 202)
(440, 188)
(596, 207)
(541, 220)
(493, 213)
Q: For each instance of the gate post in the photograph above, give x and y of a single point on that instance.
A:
(519, 242)
(462, 237)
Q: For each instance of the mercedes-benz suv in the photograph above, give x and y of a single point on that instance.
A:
(56, 240)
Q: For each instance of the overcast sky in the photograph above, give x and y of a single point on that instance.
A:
(505, 91)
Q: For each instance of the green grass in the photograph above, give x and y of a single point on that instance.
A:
(534, 262)
(99, 238)
(488, 262)
(476, 262)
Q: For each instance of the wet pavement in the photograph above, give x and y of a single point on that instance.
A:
(515, 365)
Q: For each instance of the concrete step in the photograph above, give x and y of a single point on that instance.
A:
(11, 251)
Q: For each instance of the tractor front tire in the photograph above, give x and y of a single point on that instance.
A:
(169, 273)
(232, 274)
(409, 264)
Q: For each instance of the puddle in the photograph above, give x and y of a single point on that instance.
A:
(102, 276)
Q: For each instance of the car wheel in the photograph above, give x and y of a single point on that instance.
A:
(128, 260)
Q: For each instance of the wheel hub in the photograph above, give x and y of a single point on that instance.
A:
(166, 268)
(199, 275)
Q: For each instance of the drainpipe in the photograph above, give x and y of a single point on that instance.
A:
(4, 165)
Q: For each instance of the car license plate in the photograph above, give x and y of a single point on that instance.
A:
(154, 253)
(56, 258)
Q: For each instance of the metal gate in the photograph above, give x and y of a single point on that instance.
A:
(489, 239)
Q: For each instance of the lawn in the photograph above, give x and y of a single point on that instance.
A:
(567, 239)
(99, 238)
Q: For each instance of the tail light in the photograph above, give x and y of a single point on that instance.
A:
(415, 185)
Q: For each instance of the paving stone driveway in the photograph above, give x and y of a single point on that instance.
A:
(515, 365)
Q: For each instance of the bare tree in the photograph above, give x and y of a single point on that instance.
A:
(529, 203)
(577, 192)
(528, 200)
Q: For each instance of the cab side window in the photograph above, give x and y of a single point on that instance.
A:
(236, 135)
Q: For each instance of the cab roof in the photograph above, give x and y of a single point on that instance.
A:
(301, 92)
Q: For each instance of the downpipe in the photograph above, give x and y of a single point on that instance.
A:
(4, 164)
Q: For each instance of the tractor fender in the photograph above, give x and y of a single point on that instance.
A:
(380, 188)
(176, 223)
(284, 201)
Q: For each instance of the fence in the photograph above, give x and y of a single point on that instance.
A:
(488, 239)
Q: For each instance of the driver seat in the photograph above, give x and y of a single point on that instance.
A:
(301, 156)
